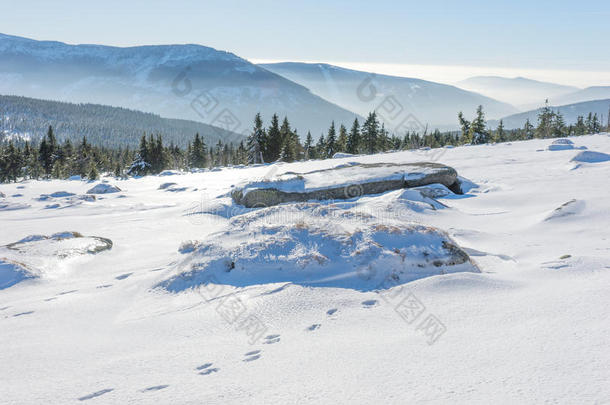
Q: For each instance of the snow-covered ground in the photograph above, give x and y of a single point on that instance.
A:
(202, 301)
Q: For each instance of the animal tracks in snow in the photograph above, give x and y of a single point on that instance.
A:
(207, 369)
(155, 388)
(96, 394)
(271, 339)
(253, 355)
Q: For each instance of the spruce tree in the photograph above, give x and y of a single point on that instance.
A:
(273, 144)
(342, 139)
(198, 153)
(500, 133)
(331, 141)
(308, 147)
(370, 133)
(528, 130)
(256, 142)
(353, 139)
(545, 122)
(477, 133)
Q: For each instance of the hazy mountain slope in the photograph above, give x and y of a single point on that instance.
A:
(588, 94)
(102, 125)
(180, 81)
(518, 91)
(570, 113)
(395, 97)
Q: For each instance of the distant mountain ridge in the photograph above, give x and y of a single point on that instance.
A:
(180, 81)
(519, 91)
(570, 114)
(23, 117)
(587, 94)
(395, 98)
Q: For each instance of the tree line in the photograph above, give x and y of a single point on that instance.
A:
(50, 158)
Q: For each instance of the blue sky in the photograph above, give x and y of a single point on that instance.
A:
(554, 40)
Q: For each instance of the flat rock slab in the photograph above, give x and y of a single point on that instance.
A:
(344, 182)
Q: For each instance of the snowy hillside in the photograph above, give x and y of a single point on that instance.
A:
(162, 289)
(190, 82)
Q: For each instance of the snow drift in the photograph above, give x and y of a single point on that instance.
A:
(318, 245)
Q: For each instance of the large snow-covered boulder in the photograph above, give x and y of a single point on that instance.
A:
(344, 182)
(318, 245)
(103, 188)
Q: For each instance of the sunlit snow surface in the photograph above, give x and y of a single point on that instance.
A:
(528, 323)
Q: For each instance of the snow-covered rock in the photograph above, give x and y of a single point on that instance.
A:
(344, 182)
(317, 245)
(561, 144)
(103, 188)
(591, 157)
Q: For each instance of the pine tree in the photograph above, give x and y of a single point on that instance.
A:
(308, 147)
(289, 143)
(528, 130)
(342, 139)
(140, 165)
(370, 133)
(545, 122)
(256, 142)
(465, 125)
(93, 173)
(353, 139)
(331, 141)
(580, 128)
(477, 133)
(11, 162)
(321, 147)
(198, 153)
(559, 126)
(500, 133)
(273, 143)
(47, 152)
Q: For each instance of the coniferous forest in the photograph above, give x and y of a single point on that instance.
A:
(278, 141)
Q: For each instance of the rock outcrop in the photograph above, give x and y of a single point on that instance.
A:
(345, 182)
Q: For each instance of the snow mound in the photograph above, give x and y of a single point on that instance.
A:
(12, 273)
(563, 144)
(317, 245)
(340, 155)
(11, 206)
(434, 191)
(591, 157)
(569, 208)
(166, 185)
(103, 188)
